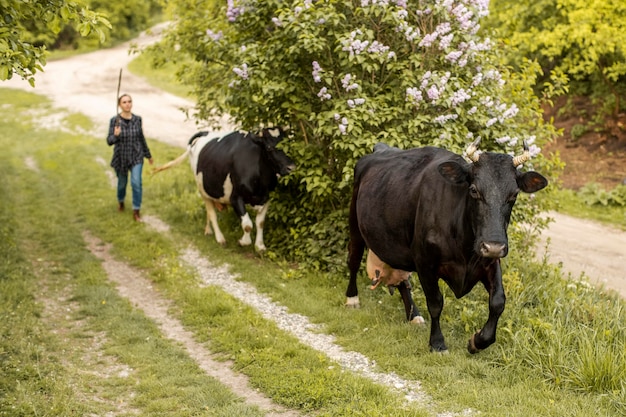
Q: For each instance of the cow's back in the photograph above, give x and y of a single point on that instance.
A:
(400, 194)
(238, 162)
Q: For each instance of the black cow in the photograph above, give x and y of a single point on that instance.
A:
(428, 210)
(237, 169)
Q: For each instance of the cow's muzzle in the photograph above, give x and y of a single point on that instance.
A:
(493, 249)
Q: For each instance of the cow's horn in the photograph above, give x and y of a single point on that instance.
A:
(520, 159)
(472, 151)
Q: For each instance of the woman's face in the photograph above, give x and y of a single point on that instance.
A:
(126, 103)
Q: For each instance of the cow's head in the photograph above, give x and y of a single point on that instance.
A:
(267, 139)
(492, 183)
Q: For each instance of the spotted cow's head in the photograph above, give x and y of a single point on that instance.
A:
(267, 138)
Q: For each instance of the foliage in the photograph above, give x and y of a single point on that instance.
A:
(593, 194)
(346, 75)
(24, 53)
(582, 40)
(127, 18)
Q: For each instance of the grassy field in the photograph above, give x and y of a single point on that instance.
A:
(561, 348)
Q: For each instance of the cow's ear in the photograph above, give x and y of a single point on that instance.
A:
(453, 172)
(531, 182)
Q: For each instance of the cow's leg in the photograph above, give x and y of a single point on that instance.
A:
(211, 221)
(487, 335)
(434, 300)
(356, 247)
(260, 222)
(246, 223)
(412, 313)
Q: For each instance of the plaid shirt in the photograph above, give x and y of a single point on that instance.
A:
(130, 146)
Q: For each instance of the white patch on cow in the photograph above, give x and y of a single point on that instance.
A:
(353, 302)
(246, 225)
(260, 222)
(274, 132)
(227, 187)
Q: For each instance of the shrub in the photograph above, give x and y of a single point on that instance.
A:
(346, 75)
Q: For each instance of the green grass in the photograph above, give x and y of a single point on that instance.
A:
(560, 351)
(569, 202)
(163, 78)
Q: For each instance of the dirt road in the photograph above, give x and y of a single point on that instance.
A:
(88, 84)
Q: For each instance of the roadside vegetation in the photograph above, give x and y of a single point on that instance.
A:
(560, 350)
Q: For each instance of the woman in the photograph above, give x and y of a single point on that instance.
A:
(126, 133)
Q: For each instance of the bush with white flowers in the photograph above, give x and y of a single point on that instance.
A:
(345, 75)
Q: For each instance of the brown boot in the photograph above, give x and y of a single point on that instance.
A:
(136, 215)
(121, 206)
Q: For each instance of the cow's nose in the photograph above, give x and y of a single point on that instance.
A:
(493, 249)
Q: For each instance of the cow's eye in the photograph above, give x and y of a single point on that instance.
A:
(474, 191)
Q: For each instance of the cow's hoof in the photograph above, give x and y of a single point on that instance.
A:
(245, 241)
(260, 249)
(442, 350)
(418, 320)
(471, 345)
(353, 302)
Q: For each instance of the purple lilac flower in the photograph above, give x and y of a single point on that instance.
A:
(413, 94)
(433, 93)
(454, 56)
(232, 13)
(214, 36)
(445, 117)
(510, 112)
(356, 102)
(534, 150)
(277, 21)
(345, 82)
(343, 126)
(377, 48)
(324, 94)
(428, 40)
(445, 41)
(353, 45)
(459, 97)
(491, 121)
(316, 72)
(242, 72)
(337, 116)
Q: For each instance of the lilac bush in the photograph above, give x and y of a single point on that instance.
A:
(346, 75)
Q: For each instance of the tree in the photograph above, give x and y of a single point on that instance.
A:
(24, 58)
(345, 75)
(584, 40)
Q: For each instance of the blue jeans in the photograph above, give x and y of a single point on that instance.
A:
(135, 184)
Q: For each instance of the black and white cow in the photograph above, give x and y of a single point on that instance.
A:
(428, 210)
(237, 169)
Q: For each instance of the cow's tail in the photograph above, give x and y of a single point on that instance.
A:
(173, 163)
(181, 158)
